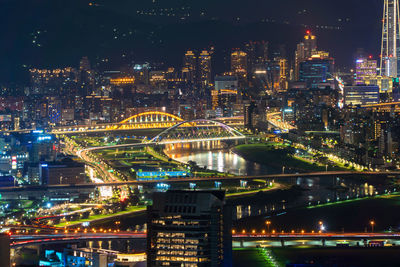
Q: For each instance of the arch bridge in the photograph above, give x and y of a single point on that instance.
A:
(145, 120)
(197, 131)
(184, 132)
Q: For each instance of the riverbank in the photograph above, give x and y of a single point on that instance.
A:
(303, 256)
(351, 215)
(281, 157)
(140, 210)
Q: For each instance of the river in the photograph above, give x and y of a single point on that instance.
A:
(214, 155)
(317, 190)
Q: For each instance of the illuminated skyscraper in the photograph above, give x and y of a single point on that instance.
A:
(283, 74)
(299, 57)
(189, 66)
(84, 64)
(365, 70)
(257, 54)
(86, 77)
(304, 51)
(239, 64)
(310, 44)
(316, 72)
(205, 68)
(389, 65)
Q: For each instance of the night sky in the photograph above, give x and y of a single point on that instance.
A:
(56, 33)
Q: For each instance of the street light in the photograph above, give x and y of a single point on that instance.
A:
(321, 226)
(372, 223)
(268, 223)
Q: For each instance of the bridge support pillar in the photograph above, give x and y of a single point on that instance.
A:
(90, 244)
(365, 241)
(323, 242)
(37, 249)
(100, 244)
(241, 243)
(283, 243)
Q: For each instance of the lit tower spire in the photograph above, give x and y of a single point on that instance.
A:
(390, 50)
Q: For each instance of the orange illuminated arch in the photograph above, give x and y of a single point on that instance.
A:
(151, 113)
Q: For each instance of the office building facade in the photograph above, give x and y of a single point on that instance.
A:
(361, 95)
(239, 64)
(366, 69)
(189, 228)
(316, 71)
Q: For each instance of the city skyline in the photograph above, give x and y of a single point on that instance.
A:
(197, 134)
(139, 40)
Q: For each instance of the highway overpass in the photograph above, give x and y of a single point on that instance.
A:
(238, 239)
(276, 177)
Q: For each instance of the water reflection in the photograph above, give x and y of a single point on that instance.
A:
(319, 191)
(214, 155)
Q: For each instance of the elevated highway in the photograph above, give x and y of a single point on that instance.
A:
(42, 239)
(276, 177)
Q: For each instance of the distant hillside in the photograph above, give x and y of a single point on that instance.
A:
(53, 33)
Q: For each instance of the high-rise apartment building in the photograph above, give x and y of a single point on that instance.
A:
(190, 66)
(86, 77)
(84, 64)
(197, 68)
(53, 82)
(224, 100)
(299, 57)
(189, 228)
(257, 54)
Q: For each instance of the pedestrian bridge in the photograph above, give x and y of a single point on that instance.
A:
(197, 131)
